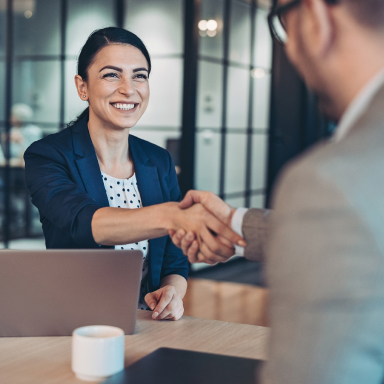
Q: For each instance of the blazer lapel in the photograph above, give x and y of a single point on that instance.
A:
(150, 191)
(146, 175)
(87, 163)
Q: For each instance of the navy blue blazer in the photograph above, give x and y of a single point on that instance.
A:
(63, 178)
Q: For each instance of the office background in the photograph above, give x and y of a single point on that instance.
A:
(224, 100)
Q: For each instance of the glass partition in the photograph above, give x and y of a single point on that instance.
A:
(36, 84)
(237, 105)
(258, 160)
(207, 160)
(36, 27)
(235, 163)
(84, 17)
(240, 33)
(263, 43)
(233, 102)
(211, 41)
(161, 123)
(261, 101)
(72, 103)
(210, 95)
(165, 102)
(165, 18)
(2, 90)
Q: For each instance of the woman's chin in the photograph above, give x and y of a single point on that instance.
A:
(121, 124)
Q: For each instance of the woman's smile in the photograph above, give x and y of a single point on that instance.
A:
(125, 106)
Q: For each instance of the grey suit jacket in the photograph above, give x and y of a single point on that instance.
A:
(325, 261)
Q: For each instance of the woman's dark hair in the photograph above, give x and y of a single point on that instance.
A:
(96, 41)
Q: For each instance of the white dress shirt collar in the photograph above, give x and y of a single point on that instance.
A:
(358, 106)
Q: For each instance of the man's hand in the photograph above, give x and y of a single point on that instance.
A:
(188, 242)
(165, 303)
(207, 228)
(190, 246)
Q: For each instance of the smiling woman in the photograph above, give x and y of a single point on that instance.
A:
(96, 186)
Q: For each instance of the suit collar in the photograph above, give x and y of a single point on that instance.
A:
(371, 116)
(360, 105)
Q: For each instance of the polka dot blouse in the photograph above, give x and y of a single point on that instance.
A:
(124, 193)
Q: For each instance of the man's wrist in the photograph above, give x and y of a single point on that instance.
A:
(237, 226)
(233, 210)
(237, 220)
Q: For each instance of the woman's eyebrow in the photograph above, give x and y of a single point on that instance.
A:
(140, 69)
(112, 67)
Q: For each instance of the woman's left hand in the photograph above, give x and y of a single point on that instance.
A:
(165, 303)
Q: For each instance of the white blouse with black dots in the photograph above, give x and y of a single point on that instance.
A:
(124, 193)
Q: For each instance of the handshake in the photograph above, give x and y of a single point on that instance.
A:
(201, 226)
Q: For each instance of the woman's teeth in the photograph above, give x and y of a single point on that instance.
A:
(125, 107)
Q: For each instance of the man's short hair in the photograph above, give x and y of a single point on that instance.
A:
(367, 12)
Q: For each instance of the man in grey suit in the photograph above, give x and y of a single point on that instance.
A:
(325, 248)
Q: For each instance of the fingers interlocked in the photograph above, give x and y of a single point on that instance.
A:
(211, 239)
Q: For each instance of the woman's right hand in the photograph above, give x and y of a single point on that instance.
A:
(209, 231)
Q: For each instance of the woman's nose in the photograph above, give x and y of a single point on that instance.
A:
(127, 88)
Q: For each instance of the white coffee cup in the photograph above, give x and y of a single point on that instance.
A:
(97, 352)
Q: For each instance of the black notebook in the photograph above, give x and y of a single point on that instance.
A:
(175, 366)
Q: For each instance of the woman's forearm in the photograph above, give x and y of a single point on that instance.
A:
(111, 226)
(176, 281)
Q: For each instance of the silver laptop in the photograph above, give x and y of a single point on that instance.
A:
(52, 292)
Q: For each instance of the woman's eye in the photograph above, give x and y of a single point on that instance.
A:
(141, 76)
(112, 74)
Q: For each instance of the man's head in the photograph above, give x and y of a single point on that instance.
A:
(336, 45)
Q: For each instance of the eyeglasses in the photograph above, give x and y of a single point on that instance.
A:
(276, 20)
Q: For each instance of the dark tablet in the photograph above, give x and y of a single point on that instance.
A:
(175, 366)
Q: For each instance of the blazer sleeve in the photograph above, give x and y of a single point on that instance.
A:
(58, 198)
(174, 262)
(255, 231)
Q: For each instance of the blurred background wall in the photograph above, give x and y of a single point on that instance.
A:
(224, 100)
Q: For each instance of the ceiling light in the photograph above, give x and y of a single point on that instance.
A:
(203, 25)
(212, 25)
(258, 73)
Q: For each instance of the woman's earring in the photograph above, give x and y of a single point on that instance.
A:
(84, 96)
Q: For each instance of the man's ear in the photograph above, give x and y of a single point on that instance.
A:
(318, 27)
(81, 87)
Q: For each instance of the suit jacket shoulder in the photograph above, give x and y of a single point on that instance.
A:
(326, 261)
(61, 141)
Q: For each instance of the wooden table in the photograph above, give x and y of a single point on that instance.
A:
(48, 359)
